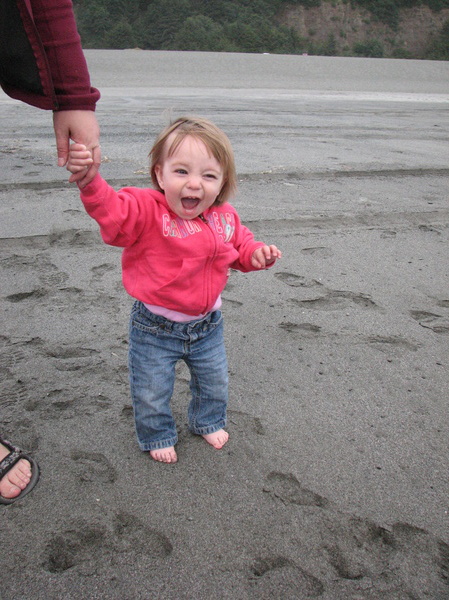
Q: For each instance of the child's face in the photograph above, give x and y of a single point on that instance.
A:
(191, 178)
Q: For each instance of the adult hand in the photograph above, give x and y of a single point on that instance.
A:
(82, 127)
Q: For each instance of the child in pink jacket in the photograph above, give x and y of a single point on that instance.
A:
(179, 240)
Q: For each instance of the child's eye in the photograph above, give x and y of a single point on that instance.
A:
(211, 176)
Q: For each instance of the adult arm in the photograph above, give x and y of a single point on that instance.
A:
(74, 118)
(55, 23)
(54, 48)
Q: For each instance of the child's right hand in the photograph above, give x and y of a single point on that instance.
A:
(80, 159)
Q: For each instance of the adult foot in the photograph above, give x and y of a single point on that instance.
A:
(166, 455)
(16, 479)
(217, 439)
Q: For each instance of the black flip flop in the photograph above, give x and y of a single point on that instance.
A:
(7, 464)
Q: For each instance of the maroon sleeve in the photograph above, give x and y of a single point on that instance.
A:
(56, 25)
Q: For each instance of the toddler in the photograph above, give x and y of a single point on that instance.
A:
(180, 240)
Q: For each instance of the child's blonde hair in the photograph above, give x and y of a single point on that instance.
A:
(214, 139)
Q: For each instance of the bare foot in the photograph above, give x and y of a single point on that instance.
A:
(16, 479)
(166, 455)
(217, 439)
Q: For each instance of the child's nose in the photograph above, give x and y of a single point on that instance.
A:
(194, 182)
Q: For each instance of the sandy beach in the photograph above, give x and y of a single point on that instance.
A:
(334, 484)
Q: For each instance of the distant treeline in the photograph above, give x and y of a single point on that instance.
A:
(217, 25)
(387, 11)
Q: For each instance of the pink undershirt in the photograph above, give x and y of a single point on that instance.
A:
(179, 317)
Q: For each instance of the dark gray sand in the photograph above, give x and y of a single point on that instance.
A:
(334, 484)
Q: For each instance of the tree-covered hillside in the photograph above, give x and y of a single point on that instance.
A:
(226, 25)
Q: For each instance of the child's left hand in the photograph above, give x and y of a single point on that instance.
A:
(80, 159)
(265, 256)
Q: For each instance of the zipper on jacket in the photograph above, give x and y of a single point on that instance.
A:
(212, 258)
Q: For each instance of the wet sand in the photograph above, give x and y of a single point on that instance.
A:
(334, 484)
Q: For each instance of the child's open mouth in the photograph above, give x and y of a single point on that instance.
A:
(189, 203)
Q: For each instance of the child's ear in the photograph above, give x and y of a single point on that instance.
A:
(158, 173)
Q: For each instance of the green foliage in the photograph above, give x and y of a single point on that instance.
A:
(121, 36)
(93, 24)
(307, 3)
(437, 4)
(200, 33)
(369, 48)
(161, 22)
(209, 25)
(439, 48)
(97, 19)
(326, 48)
(401, 53)
(387, 11)
(226, 25)
(261, 36)
(330, 47)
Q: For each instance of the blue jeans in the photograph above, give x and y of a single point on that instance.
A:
(155, 346)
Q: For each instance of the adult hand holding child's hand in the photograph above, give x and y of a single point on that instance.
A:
(82, 127)
(80, 159)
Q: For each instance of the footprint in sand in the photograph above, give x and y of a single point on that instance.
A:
(53, 278)
(437, 323)
(80, 544)
(57, 405)
(20, 296)
(328, 299)
(10, 354)
(127, 412)
(69, 352)
(403, 557)
(49, 274)
(287, 488)
(244, 423)
(93, 467)
(280, 577)
(354, 557)
(429, 229)
(301, 328)
(388, 233)
(100, 270)
(72, 358)
(382, 342)
(73, 238)
(336, 299)
(232, 303)
(131, 534)
(84, 300)
(14, 392)
(318, 251)
(90, 546)
(297, 280)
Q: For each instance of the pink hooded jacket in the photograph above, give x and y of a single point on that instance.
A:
(167, 261)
